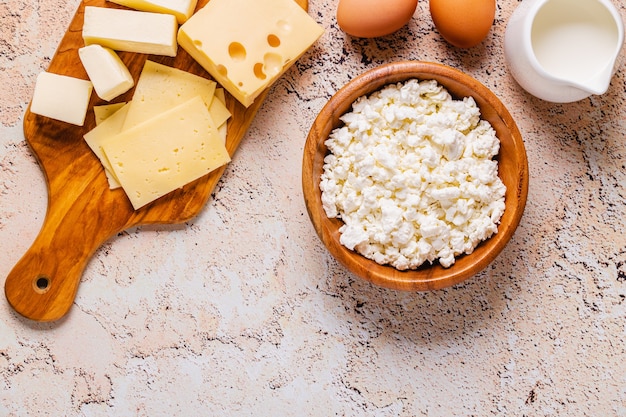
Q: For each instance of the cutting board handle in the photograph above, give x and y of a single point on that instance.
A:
(43, 284)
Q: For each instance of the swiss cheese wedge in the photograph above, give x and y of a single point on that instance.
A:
(247, 44)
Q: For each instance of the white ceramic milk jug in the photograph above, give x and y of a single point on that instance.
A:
(564, 50)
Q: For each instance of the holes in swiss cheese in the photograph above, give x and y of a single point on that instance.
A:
(284, 26)
(272, 63)
(237, 51)
(258, 71)
(273, 40)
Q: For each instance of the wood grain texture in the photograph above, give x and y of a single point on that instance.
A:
(82, 212)
(513, 170)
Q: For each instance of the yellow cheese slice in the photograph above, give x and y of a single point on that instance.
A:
(104, 111)
(221, 96)
(247, 44)
(218, 110)
(104, 131)
(166, 152)
(182, 9)
(161, 88)
(130, 30)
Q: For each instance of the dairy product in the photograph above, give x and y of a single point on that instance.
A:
(166, 152)
(105, 130)
(220, 96)
(217, 108)
(130, 30)
(107, 72)
(182, 9)
(412, 176)
(61, 97)
(247, 44)
(161, 87)
(104, 111)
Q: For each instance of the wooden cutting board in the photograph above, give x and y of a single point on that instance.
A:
(83, 212)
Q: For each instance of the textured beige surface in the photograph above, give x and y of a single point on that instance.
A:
(242, 312)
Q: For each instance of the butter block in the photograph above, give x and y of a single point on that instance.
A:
(131, 30)
(247, 44)
(107, 72)
(99, 135)
(61, 97)
(181, 9)
(159, 88)
(166, 152)
(104, 111)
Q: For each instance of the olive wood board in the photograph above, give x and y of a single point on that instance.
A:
(82, 211)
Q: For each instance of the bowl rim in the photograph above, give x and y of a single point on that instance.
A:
(427, 277)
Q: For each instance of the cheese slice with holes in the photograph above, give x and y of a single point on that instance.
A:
(166, 152)
(247, 44)
(182, 9)
(130, 30)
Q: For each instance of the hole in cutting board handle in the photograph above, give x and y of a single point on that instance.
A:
(41, 284)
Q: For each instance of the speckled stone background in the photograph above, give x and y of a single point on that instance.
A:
(242, 312)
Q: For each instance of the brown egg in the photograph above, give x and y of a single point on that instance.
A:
(463, 23)
(373, 18)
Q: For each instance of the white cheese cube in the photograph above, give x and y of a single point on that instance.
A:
(247, 44)
(182, 9)
(166, 152)
(61, 97)
(131, 30)
(107, 72)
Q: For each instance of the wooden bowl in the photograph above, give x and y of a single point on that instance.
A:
(512, 167)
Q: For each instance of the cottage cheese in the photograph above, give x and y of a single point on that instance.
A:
(412, 176)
